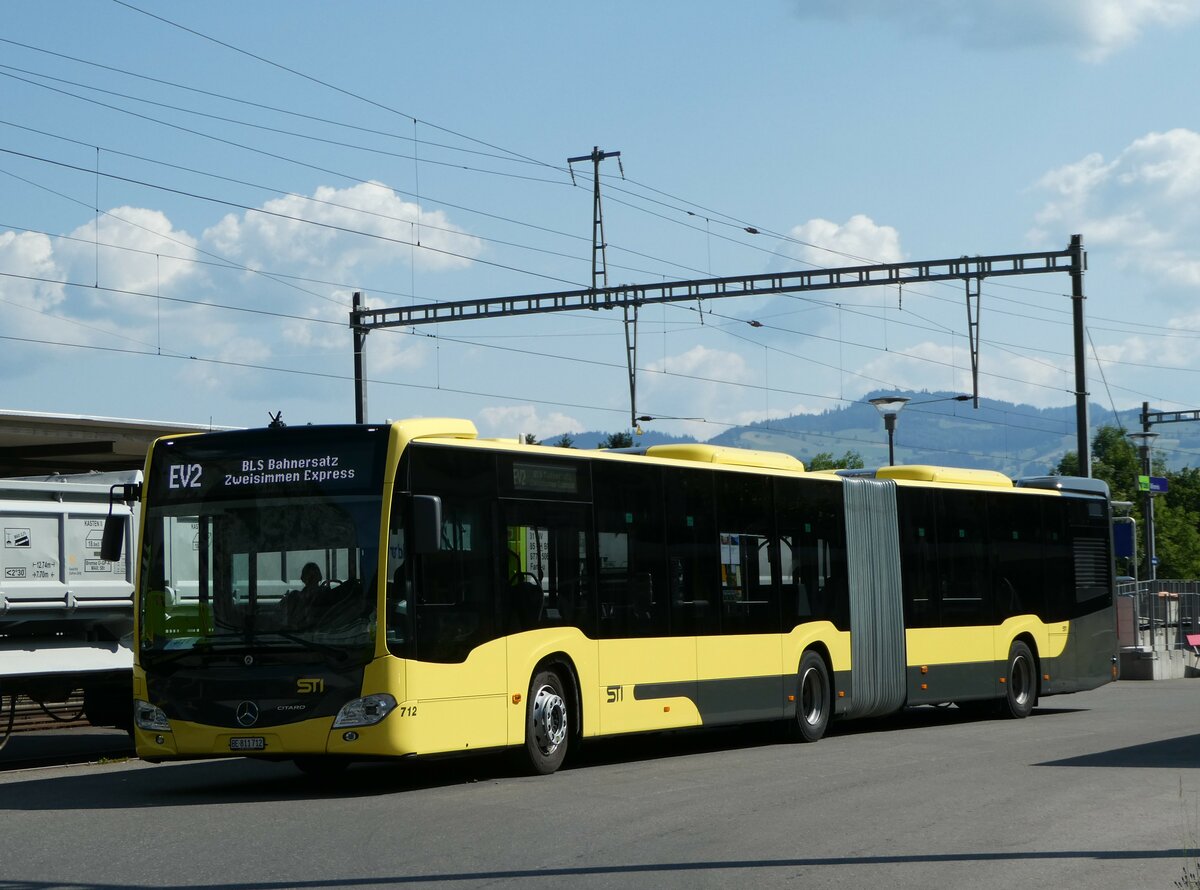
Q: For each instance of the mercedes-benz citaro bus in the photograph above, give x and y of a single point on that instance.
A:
(332, 593)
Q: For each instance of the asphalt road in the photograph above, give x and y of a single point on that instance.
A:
(1097, 790)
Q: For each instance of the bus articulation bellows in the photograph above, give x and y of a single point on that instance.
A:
(331, 593)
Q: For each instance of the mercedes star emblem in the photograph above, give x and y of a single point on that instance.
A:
(247, 713)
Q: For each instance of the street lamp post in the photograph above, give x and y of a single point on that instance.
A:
(889, 408)
(1144, 440)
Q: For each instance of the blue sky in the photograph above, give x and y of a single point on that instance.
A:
(159, 258)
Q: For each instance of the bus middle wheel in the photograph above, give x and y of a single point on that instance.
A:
(813, 699)
(547, 723)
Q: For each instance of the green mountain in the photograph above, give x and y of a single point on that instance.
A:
(1019, 440)
(933, 428)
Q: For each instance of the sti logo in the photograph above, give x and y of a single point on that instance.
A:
(183, 476)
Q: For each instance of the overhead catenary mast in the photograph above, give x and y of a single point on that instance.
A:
(600, 267)
(629, 297)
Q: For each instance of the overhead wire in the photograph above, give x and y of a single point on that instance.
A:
(263, 106)
(246, 207)
(5, 69)
(342, 174)
(277, 215)
(130, 6)
(165, 236)
(456, 391)
(615, 247)
(326, 84)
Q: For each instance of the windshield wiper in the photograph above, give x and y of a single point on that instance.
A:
(202, 645)
(311, 645)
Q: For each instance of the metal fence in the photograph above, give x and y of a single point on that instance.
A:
(1159, 615)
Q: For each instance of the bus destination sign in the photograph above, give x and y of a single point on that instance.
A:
(225, 465)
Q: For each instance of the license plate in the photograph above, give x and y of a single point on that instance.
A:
(252, 743)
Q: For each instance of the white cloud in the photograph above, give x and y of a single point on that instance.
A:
(324, 331)
(137, 250)
(30, 304)
(283, 236)
(28, 257)
(517, 420)
(827, 244)
(703, 362)
(1142, 206)
(1094, 28)
(1178, 351)
(667, 386)
(86, 315)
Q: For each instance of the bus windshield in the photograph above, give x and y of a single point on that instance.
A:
(258, 541)
(295, 573)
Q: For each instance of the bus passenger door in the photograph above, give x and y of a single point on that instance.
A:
(457, 679)
(740, 670)
(739, 661)
(647, 678)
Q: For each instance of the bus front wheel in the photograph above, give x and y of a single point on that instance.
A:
(547, 723)
(1021, 682)
(813, 700)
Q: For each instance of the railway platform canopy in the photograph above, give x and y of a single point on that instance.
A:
(40, 444)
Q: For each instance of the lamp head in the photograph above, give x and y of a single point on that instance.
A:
(1142, 439)
(889, 406)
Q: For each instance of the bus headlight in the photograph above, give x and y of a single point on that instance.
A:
(365, 711)
(148, 717)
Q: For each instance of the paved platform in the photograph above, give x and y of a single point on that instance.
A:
(84, 744)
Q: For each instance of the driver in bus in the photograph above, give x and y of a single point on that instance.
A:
(298, 603)
(310, 577)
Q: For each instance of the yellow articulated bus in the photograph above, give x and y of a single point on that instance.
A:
(332, 593)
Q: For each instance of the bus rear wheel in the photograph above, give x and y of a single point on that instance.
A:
(1021, 683)
(813, 699)
(547, 723)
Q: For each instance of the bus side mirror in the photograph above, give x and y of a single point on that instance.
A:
(427, 523)
(114, 537)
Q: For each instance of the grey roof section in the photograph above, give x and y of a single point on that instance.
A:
(35, 444)
(1076, 484)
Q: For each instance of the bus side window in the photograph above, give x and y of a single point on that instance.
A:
(547, 565)
(812, 552)
(693, 570)
(918, 556)
(1057, 589)
(455, 609)
(966, 587)
(795, 591)
(399, 580)
(631, 563)
(749, 598)
(1015, 525)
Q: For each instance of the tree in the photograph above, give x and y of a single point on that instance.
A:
(530, 439)
(1114, 459)
(566, 440)
(824, 460)
(1176, 515)
(616, 440)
